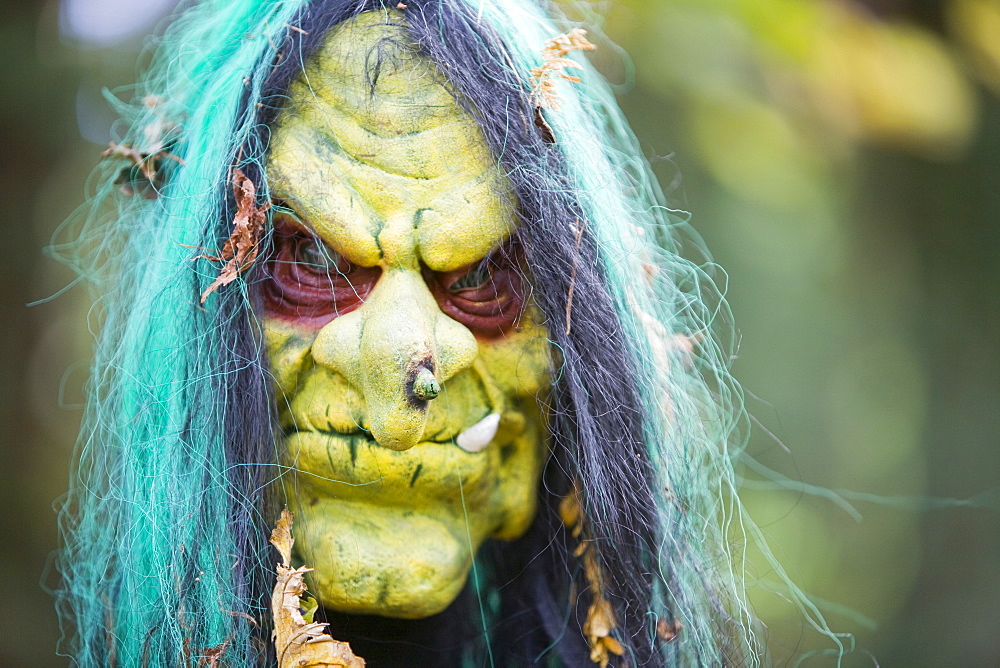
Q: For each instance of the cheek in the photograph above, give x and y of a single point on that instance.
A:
(288, 355)
(515, 497)
(519, 363)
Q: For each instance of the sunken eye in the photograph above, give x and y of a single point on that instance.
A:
(487, 296)
(315, 257)
(309, 253)
(477, 277)
(310, 283)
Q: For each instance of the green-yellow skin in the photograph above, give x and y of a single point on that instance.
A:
(389, 511)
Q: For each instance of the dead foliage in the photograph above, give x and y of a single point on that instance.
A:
(243, 245)
(144, 175)
(668, 629)
(548, 136)
(554, 65)
(299, 641)
(212, 656)
(601, 620)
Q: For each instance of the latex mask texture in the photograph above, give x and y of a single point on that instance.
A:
(394, 323)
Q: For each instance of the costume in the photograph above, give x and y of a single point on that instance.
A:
(598, 511)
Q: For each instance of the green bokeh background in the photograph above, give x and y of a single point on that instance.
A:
(841, 160)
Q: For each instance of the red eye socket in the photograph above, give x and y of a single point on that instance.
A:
(486, 296)
(309, 283)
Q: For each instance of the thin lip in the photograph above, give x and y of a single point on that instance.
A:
(348, 465)
(366, 435)
(452, 440)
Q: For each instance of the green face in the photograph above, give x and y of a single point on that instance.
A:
(407, 364)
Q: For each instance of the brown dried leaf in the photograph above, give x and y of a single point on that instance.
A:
(548, 136)
(145, 172)
(211, 656)
(601, 622)
(148, 163)
(554, 66)
(240, 250)
(668, 629)
(299, 643)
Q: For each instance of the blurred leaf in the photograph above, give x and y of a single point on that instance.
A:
(898, 83)
(753, 150)
(832, 65)
(976, 25)
(786, 27)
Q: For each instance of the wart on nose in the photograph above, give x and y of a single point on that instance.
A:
(422, 385)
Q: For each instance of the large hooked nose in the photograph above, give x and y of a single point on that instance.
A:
(398, 348)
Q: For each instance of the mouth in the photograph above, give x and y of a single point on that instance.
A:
(472, 439)
(354, 466)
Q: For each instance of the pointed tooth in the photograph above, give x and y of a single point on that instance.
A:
(479, 435)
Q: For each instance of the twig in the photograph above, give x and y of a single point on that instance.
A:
(572, 275)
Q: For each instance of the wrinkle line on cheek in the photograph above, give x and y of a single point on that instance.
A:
(352, 444)
(329, 455)
(495, 396)
(445, 397)
(300, 474)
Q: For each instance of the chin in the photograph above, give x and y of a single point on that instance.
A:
(391, 562)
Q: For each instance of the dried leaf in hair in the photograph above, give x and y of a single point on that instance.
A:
(297, 641)
(144, 176)
(601, 622)
(570, 512)
(212, 656)
(240, 250)
(554, 66)
(668, 629)
(548, 136)
(144, 173)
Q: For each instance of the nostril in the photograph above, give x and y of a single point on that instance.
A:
(424, 385)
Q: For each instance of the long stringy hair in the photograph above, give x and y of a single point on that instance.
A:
(165, 558)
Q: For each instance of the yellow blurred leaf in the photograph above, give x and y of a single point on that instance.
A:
(787, 27)
(900, 83)
(752, 149)
(976, 25)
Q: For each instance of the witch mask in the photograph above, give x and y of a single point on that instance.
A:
(408, 359)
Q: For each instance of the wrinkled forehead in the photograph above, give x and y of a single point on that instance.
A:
(371, 132)
(369, 69)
